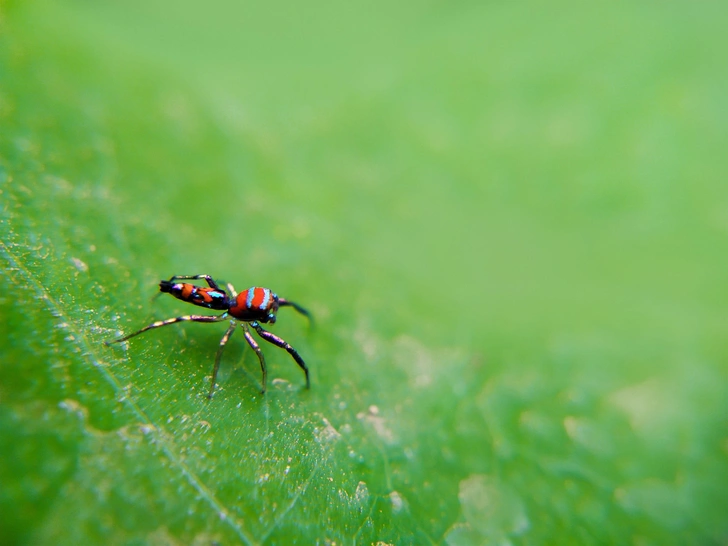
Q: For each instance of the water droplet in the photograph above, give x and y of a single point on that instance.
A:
(80, 265)
(491, 507)
(361, 495)
(397, 501)
(147, 429)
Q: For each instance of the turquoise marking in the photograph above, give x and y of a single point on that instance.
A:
(249, 300)
(266, 299)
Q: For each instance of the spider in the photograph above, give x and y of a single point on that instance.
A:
(249, 309)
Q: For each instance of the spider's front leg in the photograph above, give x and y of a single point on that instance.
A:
(251, 341)
(275, 340)
(282, 302)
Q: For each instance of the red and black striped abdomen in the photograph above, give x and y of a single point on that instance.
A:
(211, 298)
(255, 303)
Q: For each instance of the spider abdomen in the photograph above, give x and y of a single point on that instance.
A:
(211, 298)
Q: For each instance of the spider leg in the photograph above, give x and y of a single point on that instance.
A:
(251, 341)
(210, 281)
(160, 323)
(275, 340)
(223, 341)
(282, 302)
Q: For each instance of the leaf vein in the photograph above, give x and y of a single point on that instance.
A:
(79, 338)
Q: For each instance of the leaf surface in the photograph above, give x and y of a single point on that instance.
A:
(509, 249)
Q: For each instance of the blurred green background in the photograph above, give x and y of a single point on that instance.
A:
(509, 219)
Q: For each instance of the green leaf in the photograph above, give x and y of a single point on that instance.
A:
(509, 229)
